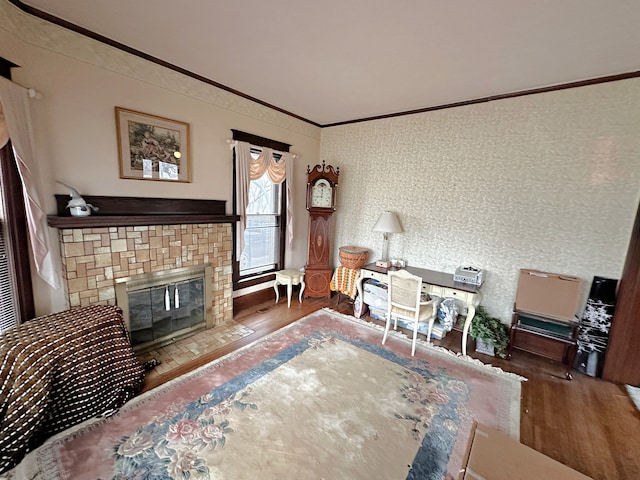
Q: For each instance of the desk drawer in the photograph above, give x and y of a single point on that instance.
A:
(432, 289)
(381, 277)
(460, 295)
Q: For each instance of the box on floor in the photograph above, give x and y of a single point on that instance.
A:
(492, 455)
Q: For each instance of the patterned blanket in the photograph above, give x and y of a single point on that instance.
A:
(345, 280)
(59, 370)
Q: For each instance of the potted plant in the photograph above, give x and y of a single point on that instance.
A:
(490, 331)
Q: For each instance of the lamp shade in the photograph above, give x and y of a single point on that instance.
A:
(388, 223)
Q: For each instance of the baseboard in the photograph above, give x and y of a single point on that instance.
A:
(250, 300)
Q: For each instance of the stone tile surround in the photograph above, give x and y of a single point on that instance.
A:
(187, 350)
(93, 258)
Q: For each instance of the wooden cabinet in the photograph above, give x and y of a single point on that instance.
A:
(547, 337)
(317, 271)
(322, 182)
(319, 239)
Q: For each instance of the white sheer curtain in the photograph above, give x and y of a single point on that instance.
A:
(17, 117)
(248, 168)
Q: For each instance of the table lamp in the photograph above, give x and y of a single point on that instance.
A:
(387, 223)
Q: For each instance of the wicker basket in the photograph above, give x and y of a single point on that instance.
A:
(353, 257)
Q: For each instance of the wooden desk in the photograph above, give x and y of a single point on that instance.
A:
(435, 283)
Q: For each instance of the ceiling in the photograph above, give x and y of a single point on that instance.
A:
(334, 61)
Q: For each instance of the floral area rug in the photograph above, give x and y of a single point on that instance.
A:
(321, 398)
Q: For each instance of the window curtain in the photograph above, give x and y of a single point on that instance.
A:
(16, 123)
(248, 168)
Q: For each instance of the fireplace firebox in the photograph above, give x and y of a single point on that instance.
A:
(162, 307)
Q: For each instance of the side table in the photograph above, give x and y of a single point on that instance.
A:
(289, 278)
(544, 336)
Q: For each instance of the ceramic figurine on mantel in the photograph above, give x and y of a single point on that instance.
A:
(77, 206)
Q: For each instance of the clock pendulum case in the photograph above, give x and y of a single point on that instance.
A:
(322, 183)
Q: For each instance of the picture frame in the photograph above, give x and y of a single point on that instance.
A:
(152, 147)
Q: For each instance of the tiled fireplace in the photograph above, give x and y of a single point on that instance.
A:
(99, 250)
(162, 307)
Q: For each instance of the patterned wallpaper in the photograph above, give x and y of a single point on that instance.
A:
(548, 181)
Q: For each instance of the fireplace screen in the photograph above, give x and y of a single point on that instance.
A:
(164, 306)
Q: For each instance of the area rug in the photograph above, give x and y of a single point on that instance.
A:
(321, 398)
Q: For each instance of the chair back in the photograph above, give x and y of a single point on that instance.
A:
(404, 290)
(404, 296)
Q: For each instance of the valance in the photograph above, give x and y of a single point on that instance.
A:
(249, 168)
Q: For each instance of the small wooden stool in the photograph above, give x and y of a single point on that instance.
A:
(289, 278)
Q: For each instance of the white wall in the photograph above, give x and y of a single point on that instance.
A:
(548, 181)
(81, 81)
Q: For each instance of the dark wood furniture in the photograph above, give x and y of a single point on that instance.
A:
(548, 337)
(623, 355)
(132, 211)
(318, 272)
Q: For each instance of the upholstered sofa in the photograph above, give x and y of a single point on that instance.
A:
(59, 370)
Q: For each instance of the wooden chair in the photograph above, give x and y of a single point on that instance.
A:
(405, 302)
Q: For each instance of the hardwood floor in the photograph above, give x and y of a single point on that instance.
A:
(588, 424)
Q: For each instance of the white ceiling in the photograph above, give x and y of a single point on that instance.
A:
(331, 61)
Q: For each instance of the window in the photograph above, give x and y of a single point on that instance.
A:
(9, 311)
(262, 235)
(266, 215)
(16, 291)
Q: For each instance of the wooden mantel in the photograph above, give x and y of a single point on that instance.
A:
(96, 221)
(133, 211)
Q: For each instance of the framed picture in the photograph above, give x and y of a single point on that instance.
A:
(152, 147)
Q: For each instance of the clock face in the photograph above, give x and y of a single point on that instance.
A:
(321, 194)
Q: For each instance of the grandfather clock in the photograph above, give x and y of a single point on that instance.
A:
(322, 183)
